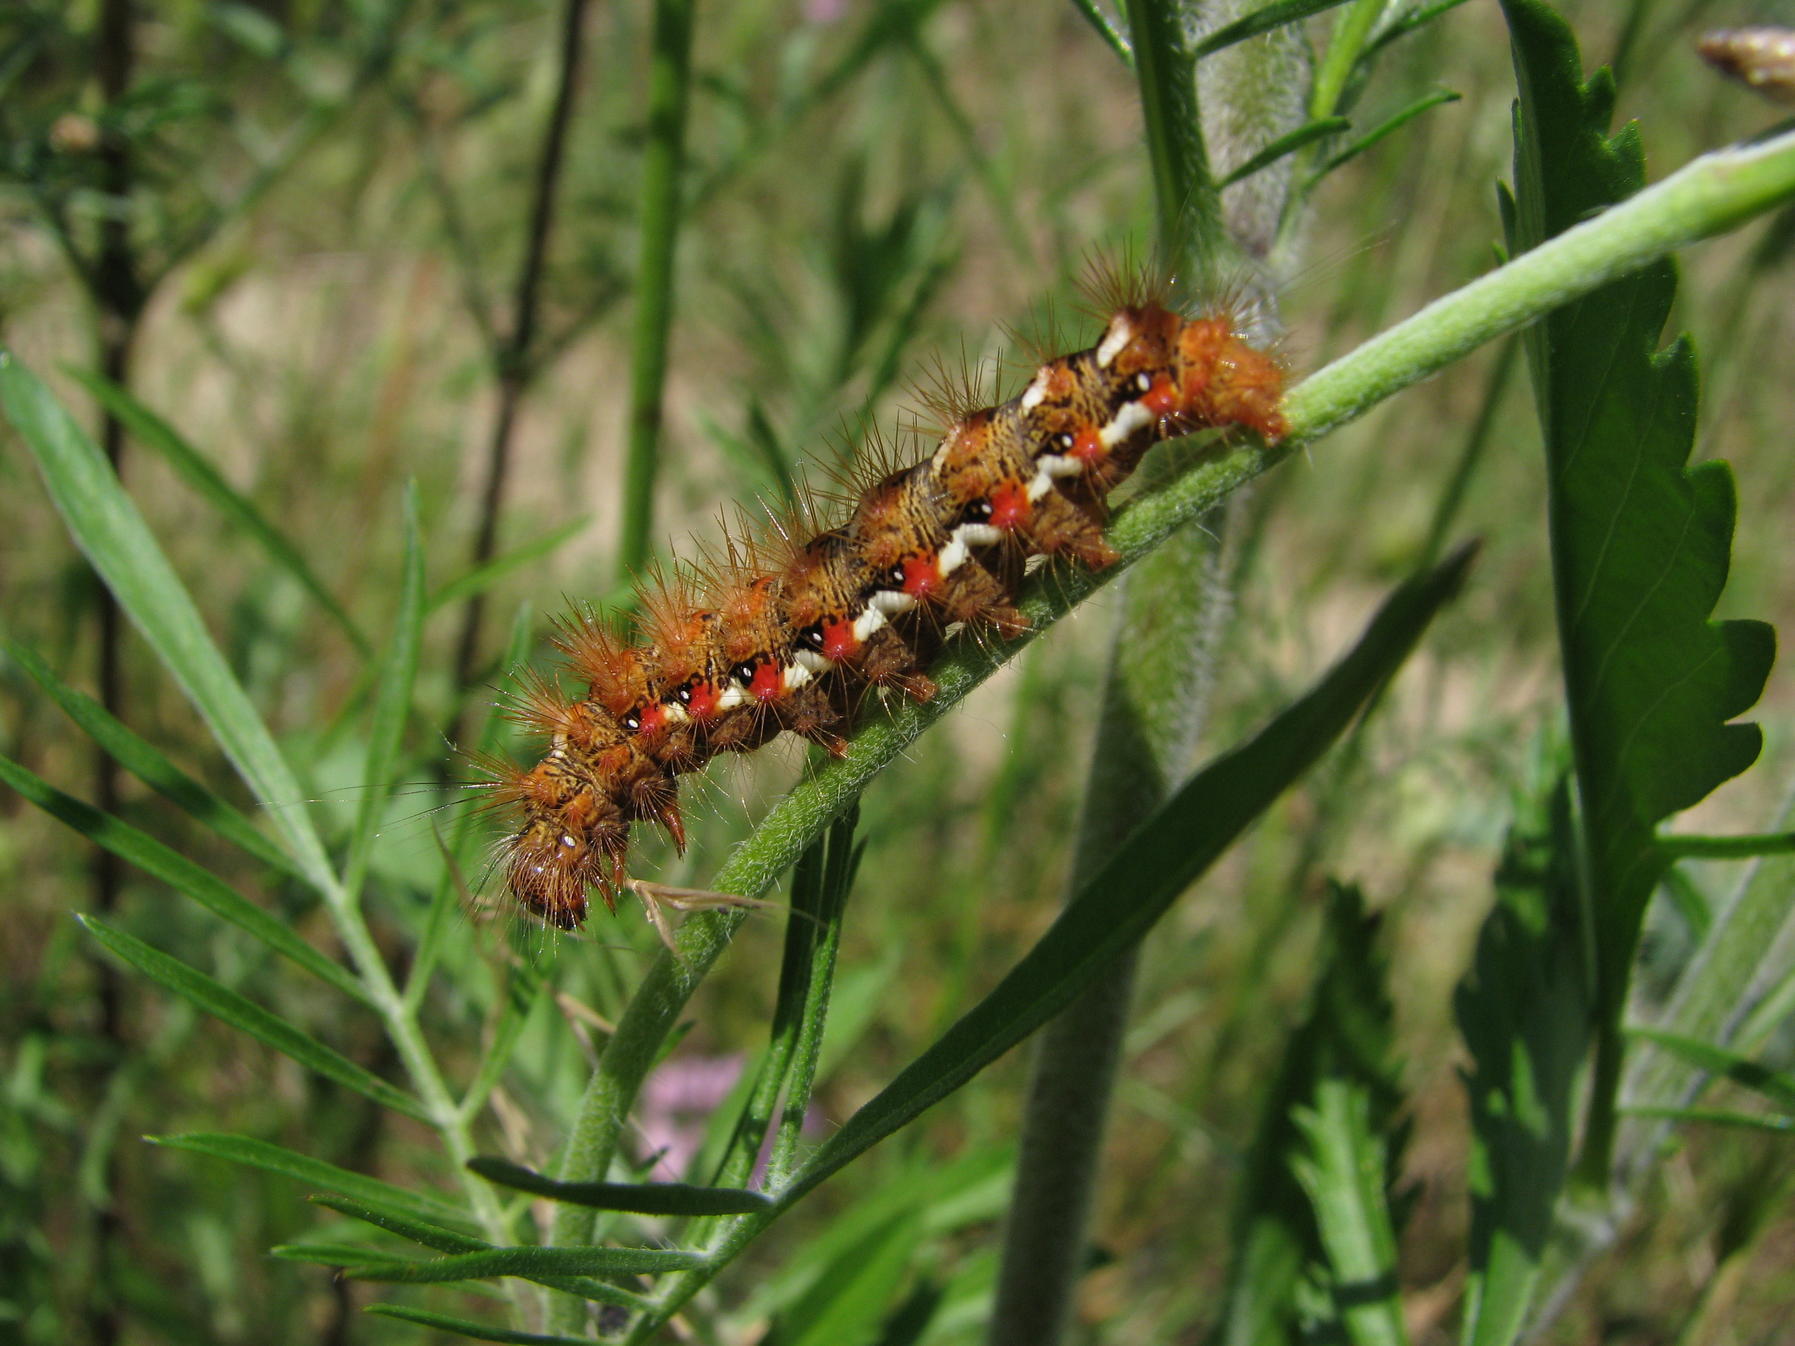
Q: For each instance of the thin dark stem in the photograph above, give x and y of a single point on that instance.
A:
(513, 356)
(118, 292)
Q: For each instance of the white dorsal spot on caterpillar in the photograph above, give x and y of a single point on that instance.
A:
(1125, 424)
(871, 620)
(1121, 332)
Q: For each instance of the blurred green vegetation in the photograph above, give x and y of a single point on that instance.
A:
(329, 222)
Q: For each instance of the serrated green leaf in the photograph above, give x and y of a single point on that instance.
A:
(1524, 1010)
(1640, 541)
(111, 533)
(649, 1198)
(1345, 1171)
(148, 764)
(531, 1262)
(179, 873)
(272, 1158)
(1150, 870)
(1346, 1036)
(467, 1328)
(196, 470)
(240, 1012)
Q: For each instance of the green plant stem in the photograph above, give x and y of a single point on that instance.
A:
(1187, 201)
(1351, 32)
(1709, 195)
(669, 81)
(401, 1026)
(1712, 193)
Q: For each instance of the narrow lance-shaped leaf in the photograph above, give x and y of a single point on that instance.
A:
(110, 531)
(148, 764)
(443, 1240)
(405, 1226)
(272, 1158)
(653, 1198)
(239, 1011)
(1640, 541)
(464, 1327)
(532, 1262)
(178, 872)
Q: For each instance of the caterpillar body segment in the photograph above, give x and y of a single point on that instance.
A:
(793, 628)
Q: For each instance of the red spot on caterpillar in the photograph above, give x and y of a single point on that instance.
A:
(921, 576)
(1162, 397)
(1087, 445)
(1010, 506)
(701, 702)
(768, 682)
(840, 644)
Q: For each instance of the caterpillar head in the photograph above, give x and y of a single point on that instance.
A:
(572, 838)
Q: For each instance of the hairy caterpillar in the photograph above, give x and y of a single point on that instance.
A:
(797, 624)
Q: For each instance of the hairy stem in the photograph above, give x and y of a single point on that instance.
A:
(1156, 691)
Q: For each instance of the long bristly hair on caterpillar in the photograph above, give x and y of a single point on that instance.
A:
(848, 596)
